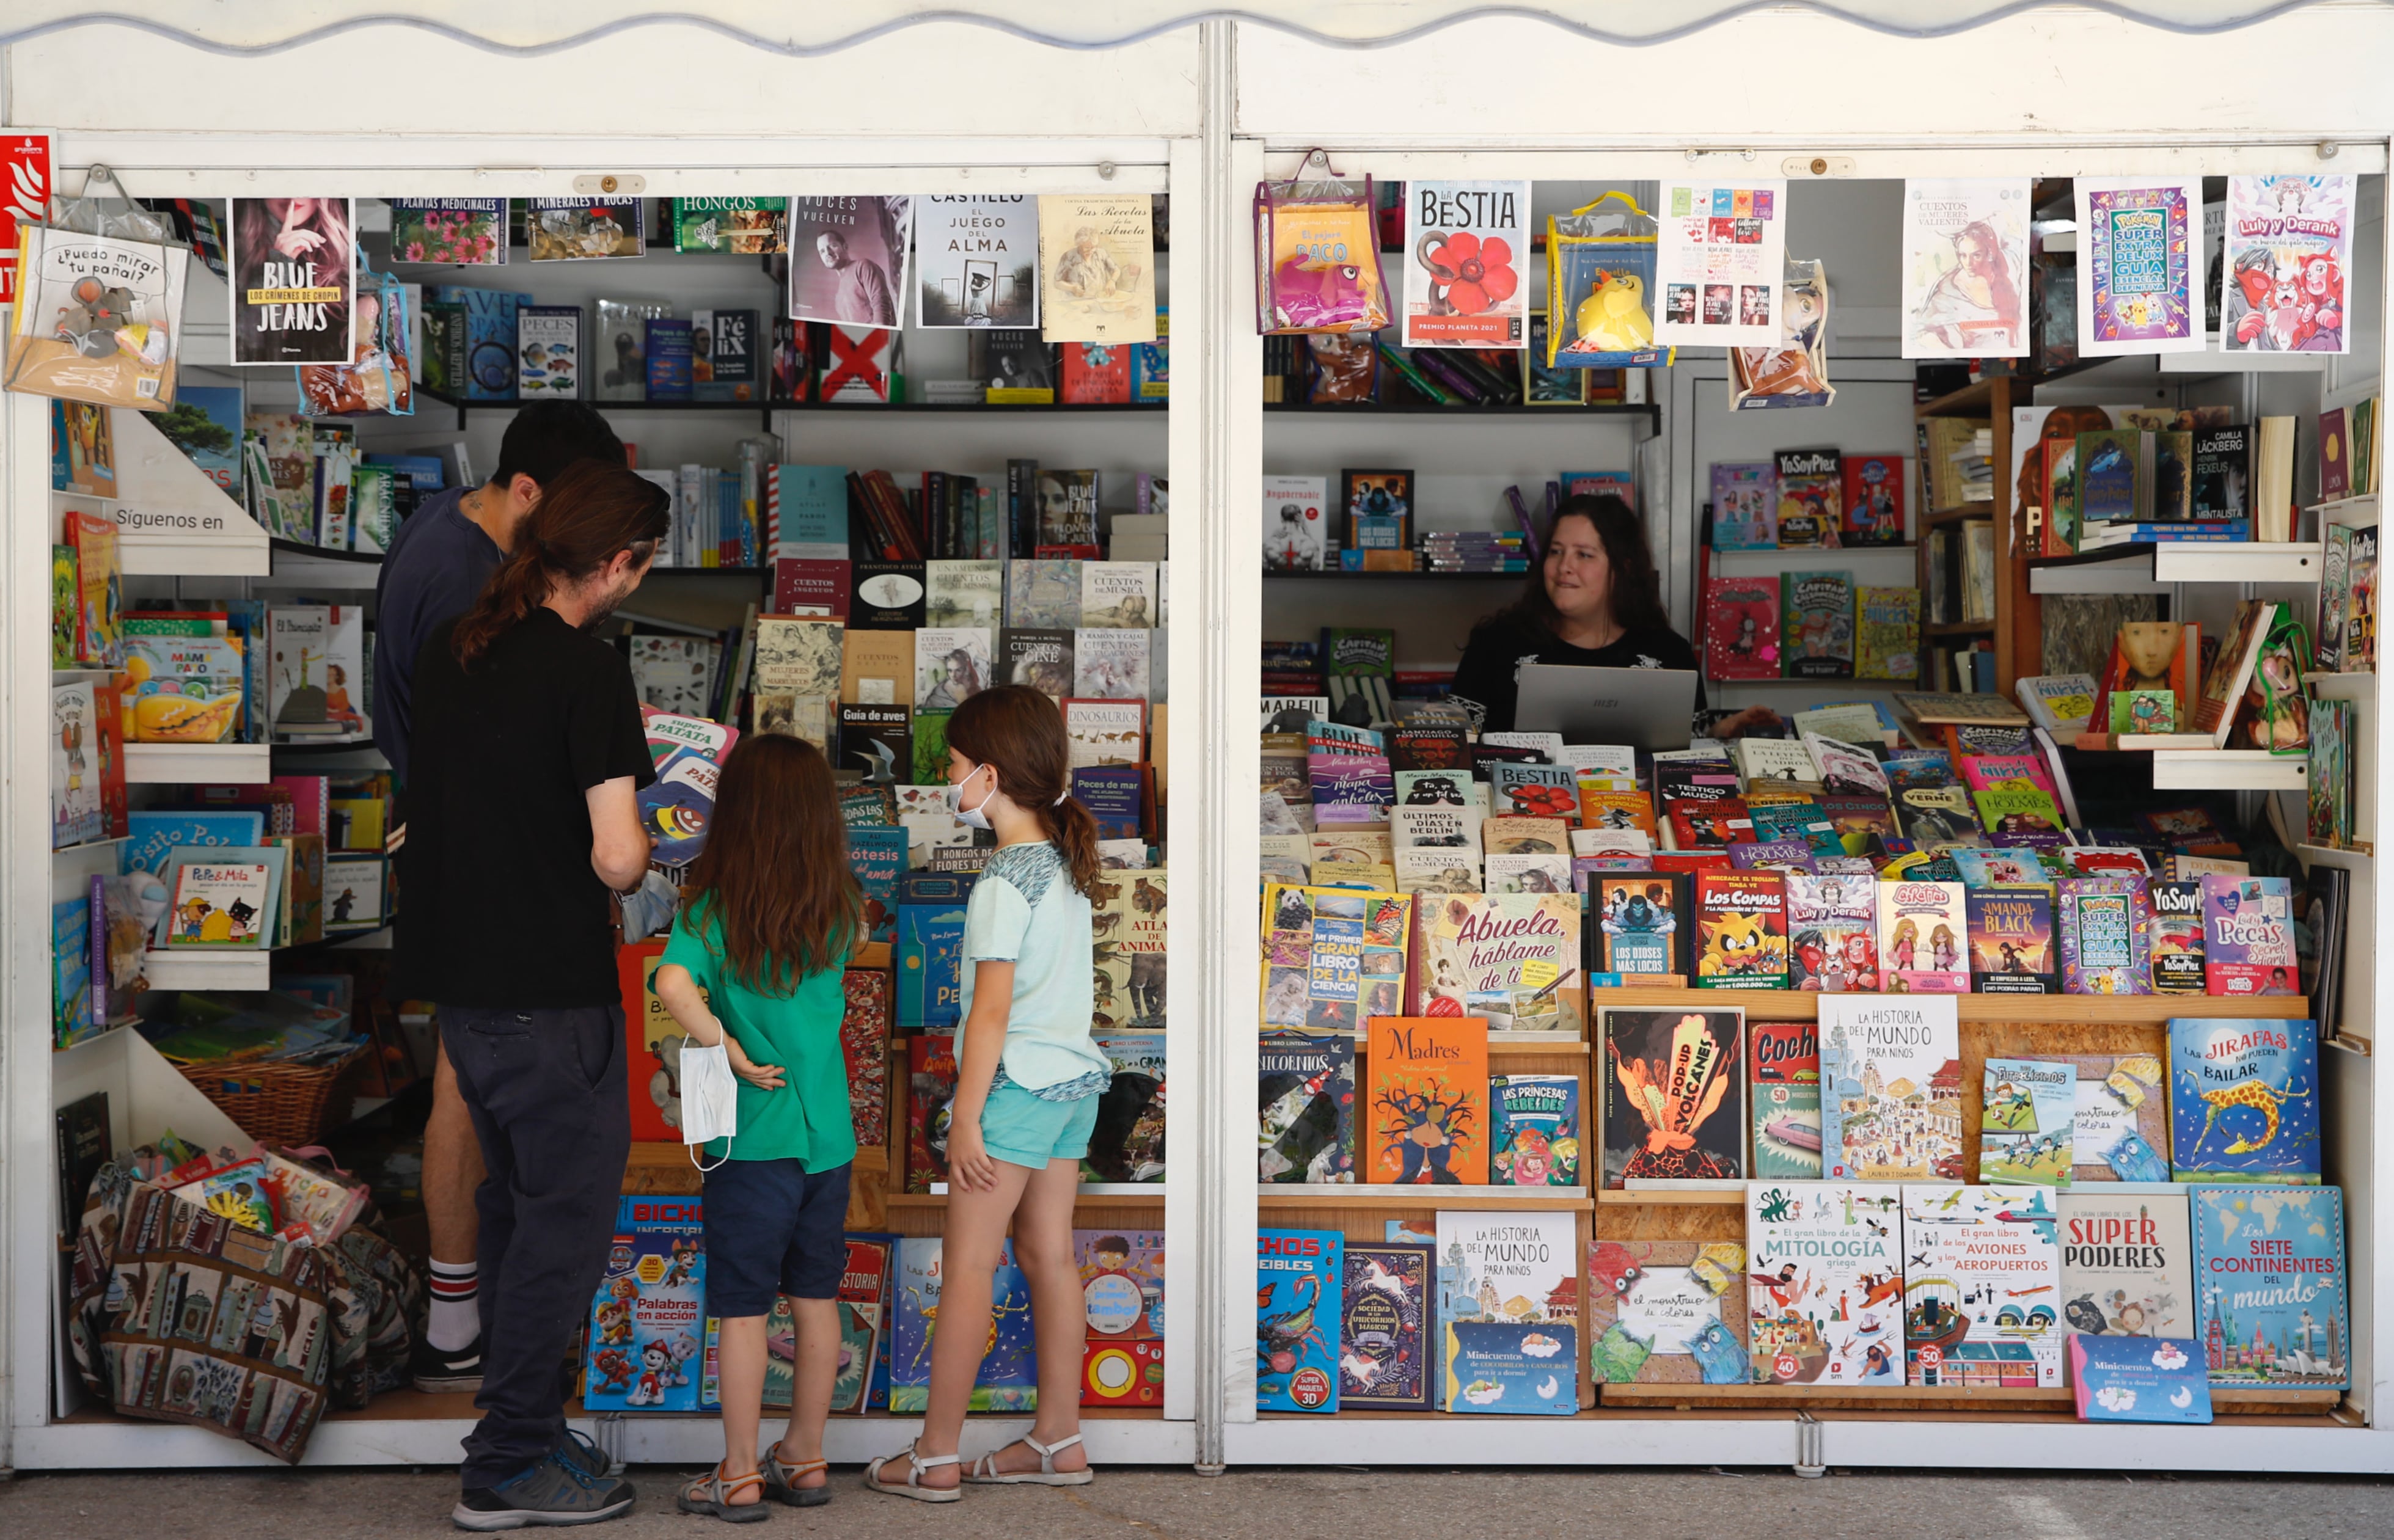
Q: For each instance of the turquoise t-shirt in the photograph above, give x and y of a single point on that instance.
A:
(807, 1118)
(1025, 911)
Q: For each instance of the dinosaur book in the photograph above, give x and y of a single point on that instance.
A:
(1673, 1095)
(2244, 1102)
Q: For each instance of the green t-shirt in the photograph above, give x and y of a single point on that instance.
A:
(808, 1119)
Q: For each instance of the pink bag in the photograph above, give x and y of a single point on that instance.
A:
(1318, 256)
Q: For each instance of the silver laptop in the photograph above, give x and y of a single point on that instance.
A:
(1643, 708)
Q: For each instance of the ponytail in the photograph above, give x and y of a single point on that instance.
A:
(588, 514)
(1019, 733)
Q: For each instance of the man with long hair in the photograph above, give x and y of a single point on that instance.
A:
(527, 754)
(441, 560)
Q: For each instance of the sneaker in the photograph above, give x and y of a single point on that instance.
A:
(579, 1448)
(557, 1491)
(439, 1371)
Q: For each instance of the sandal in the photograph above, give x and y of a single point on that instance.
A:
(984, 1472)
(712, 1493)
(781, 1480)
(913, 1485)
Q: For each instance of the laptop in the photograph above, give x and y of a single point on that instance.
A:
(1643, 708)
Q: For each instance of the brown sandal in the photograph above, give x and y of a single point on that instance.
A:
(781, 1480)
(711, 1493)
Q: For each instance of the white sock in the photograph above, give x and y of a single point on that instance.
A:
(456, 1318)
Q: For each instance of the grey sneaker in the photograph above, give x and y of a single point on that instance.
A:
(557, 1491)
(579, 1448)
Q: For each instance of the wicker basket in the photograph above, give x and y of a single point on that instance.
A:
(281, 1103)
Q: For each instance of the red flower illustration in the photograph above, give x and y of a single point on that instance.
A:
(1474, 274)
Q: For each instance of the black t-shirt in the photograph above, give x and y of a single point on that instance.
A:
(500, 906)
(1501, 643)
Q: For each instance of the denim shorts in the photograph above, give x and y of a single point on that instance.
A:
(1019, 1128)
(773, 1228)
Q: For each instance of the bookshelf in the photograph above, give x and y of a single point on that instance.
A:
(2012, 626)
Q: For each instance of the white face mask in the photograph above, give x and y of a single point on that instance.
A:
(977, 815)
(710, 1095)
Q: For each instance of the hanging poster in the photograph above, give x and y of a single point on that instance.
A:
(24, 196)
(976, 262)
(1097, 267)
(471, 232)
(1465, 246)
(2136, 286)
(581, 229)
(1720, 261)
(848, 259)
(1965, 268)
(2289, 245)
(294, 280)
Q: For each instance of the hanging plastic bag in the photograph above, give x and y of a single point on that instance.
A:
(1795, 373)
(1601, 287)
(100, 303)
(376, 381)
(2276, 713)
(1318, 256)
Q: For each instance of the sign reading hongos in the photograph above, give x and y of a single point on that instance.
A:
(25, 187)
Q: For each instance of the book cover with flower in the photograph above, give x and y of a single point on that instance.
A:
(468, 231)
(1466, 248)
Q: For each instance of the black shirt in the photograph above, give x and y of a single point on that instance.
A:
(1501, 643)
(435, 568)
(501, 906)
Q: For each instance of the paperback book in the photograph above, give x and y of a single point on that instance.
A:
(2029, 1107)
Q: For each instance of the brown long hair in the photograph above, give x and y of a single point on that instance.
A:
(1637, 602)
(1019, 733)
(775, 869)
(587, 514)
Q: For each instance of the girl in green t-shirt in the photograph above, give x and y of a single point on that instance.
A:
(768, 920)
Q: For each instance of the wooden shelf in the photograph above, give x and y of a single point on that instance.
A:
(1937, 516)
(1415, 1199)
(1959, 628)
(1502, 1047)
(1796, 1005)
(1683, 1195)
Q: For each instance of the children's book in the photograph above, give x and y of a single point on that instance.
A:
(2248, 937)
(1984, 868)
(647, 1326)
(1333, 956)
(1982, 1266)
(1923, 929)
(1745, 506)
(1426, 1116)
(1786, 1100)
(1121, 1288)
(1305, 1106)
(1667, 1313)
(1534, 791)
(2245, 1101)
(1673, 1095)
(1513, 959)
(2273, 1309)
(226, 903)
(1386, 1326)
(1933, 815)
(2178, 951)
(1873, 510)
(1824, 1283)
(2139, 1379)
(1740, 934)
(1810, 487)
(2024, 1129)
(1508, 1312)
(1742, 628)
(1890, 1088)
(1008, 1380)
(2011, 938)
(2121, 1121)
(1832, 931)
(1641, 924)
(1536, 1140)
(1817, 624)
(2104, 926)
(2009, 795)
(1887, 633)
(2126, 1264)
(930, 1087)
(1300, 1300)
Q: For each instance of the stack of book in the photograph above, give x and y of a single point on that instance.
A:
(1474, 551)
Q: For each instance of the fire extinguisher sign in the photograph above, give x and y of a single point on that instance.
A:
(25, 188)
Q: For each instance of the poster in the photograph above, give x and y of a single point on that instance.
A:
(581, 229)
(848, 259)
(465, 231)
(294, 280)
(1720, 263)
(24, 194)
(1097, 267)
(1965, 268)
(2289, 246)
(1467, 246)
(2137, 291)
(976, 261)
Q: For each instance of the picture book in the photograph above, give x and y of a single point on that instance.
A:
(75, 815)
(1121, 1288)
(1871, 509)
(2104, 926)
(1981, 1267)
(1824, 1283)
(2139, 1379)
(1512, 958)
(1983, 867)
(2272, 1308)
(1887, 633)
(1641, 924)
(1537, 1137)
(864, 1325)
(1810, 487)
(1741, 931)
(2287, 250)
(1300, 1300)
(1306, 1111)
(2126, 1264)
(2248, 937)
(1008, 1378)
(976, 261)
(930, 1087)
(647, 1325)
(2011, 939)
(1742, 628)
(1745, 506)
(1832, 931)
(2245, 1101)
(1923, 929)
(2028, 1106)
(1817, 624)
(226, 903)
(1673, 1095)
(2121, 1122)
(1386, 1326)
(1965, 268)
(1667, 1313)
(1890, 1088)
(2138, 291)
(1508, 1312)
(1334, 957)
(1096, 260)
(1785, 1093)
(1467, 246)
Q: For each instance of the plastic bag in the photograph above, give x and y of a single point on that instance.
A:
(1601, 287)
(376, 381)
(1318, 257)
(100, 303)
(2276, 714)
(1345, 368)
(1795, 374)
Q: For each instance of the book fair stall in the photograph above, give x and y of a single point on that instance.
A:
(1811, 878)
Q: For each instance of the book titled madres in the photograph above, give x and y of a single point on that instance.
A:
(1299, 1303)
(2245, 1101)
(2248, 936)
(1509, 957)
(2271, 1286)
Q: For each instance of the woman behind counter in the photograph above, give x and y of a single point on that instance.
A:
(1595, 601)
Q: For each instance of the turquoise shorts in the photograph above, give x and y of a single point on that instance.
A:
(1021, 1130)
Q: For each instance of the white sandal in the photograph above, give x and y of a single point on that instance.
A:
(913, 1486)
(984, 1472)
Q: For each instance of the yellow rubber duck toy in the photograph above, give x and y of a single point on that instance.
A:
(1613, 314)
